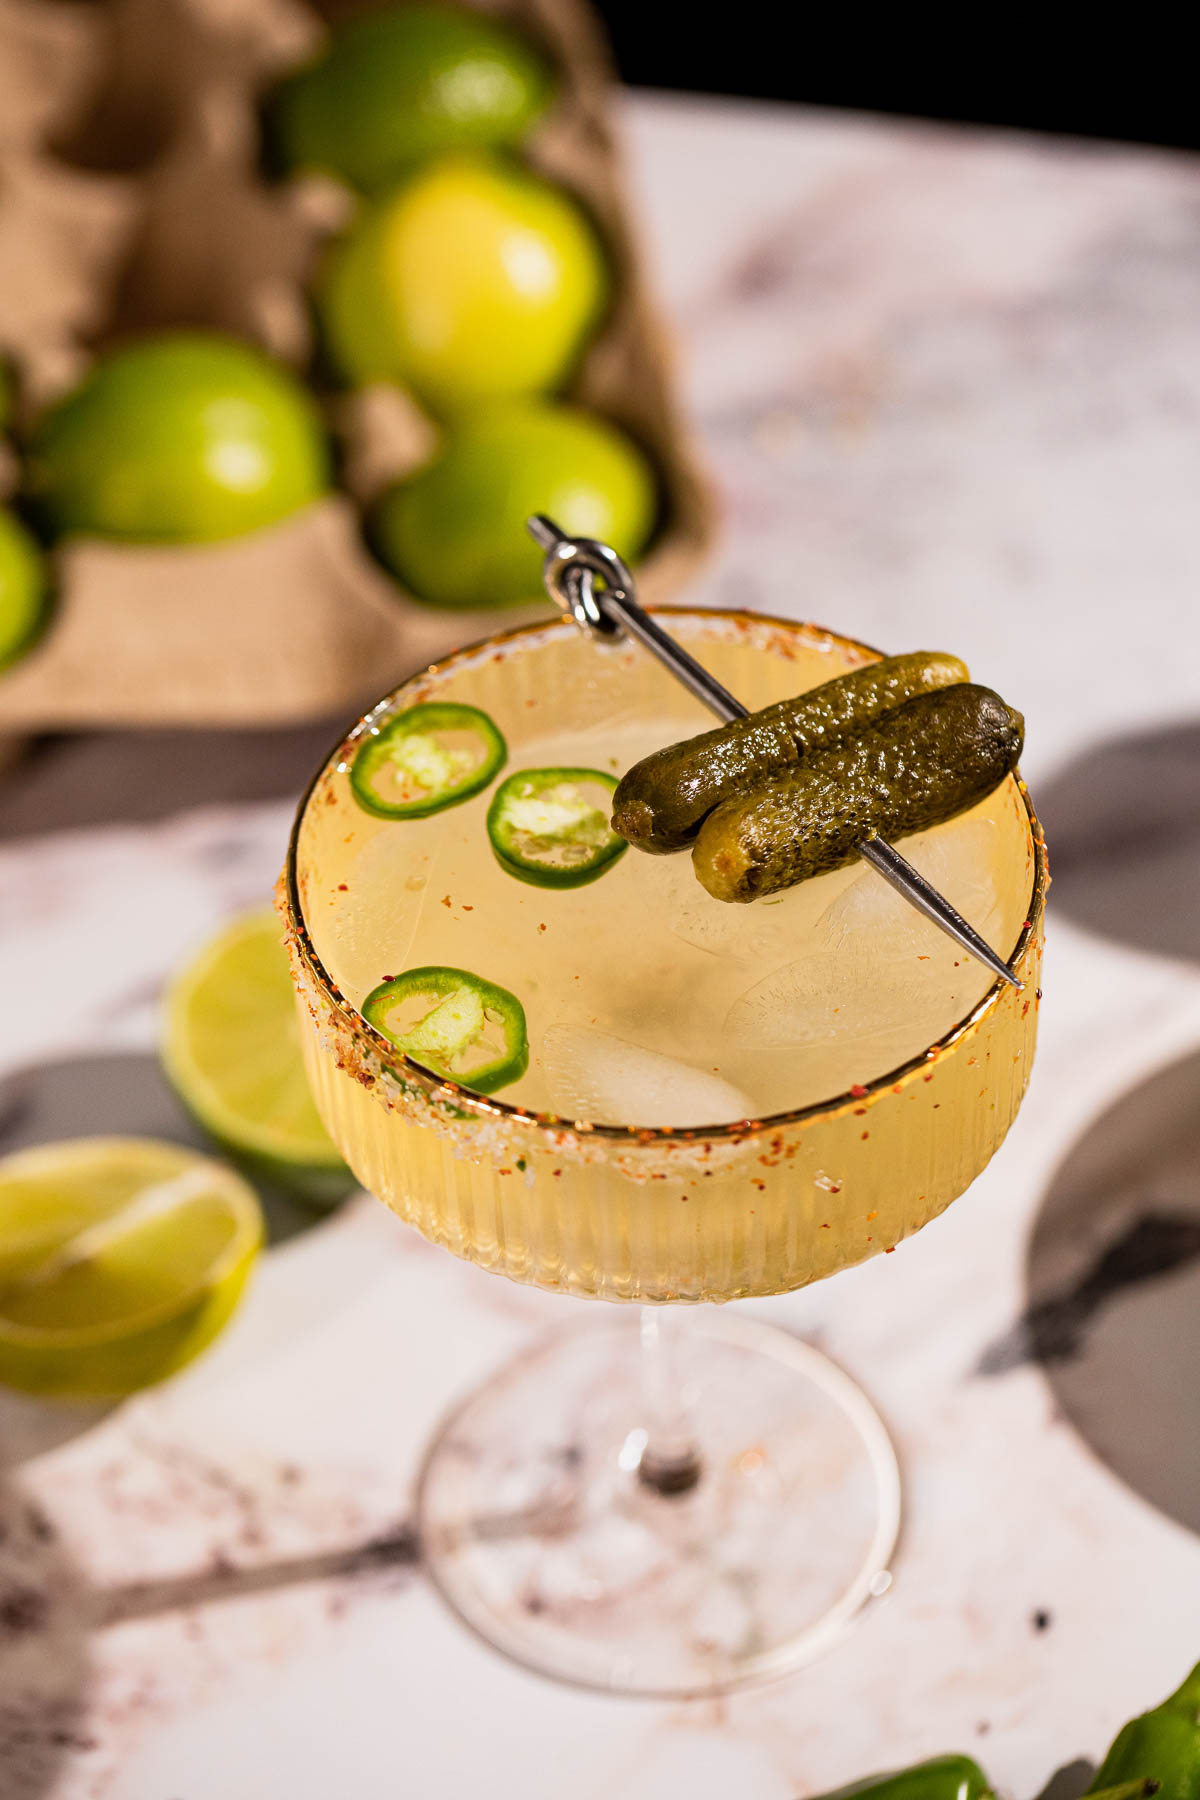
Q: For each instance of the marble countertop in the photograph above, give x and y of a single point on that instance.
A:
(949, 386)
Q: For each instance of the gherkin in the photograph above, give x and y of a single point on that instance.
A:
(916, 766)
(662, 802)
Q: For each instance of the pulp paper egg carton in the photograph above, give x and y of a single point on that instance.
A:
(131, 200)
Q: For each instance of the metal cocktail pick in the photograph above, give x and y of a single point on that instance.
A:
(611, 611)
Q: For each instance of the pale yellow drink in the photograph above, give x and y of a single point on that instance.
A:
(744, 1098)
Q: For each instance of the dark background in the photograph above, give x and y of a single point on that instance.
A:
(1072, 73)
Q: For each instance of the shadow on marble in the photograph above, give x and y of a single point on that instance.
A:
(44, 1663)
(134, 777)
(1069, 1782)
(31, 1427)
(1123, 825)
(54, 1705)
(1114, 1290)
(123, 1095)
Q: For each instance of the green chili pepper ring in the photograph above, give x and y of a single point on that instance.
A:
(428, 772)
(546, 831)
(465, 1012)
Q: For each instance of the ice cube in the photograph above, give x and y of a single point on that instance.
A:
(825, 995)
(879, 982)
(957, 858)
(593, 1075)
(742, 933)
(879, 985)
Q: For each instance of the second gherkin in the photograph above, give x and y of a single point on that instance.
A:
(916, 766)
(662, 802)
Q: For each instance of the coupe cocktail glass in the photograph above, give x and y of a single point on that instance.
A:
(654, 1502)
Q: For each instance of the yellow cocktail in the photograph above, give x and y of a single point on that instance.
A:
(720, 1101)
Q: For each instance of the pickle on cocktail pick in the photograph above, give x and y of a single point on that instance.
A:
(571, 571)
(662, 802)
(916, 766)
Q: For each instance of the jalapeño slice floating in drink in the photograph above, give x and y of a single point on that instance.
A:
(550, 826)
(426, 758)
(455, 1023)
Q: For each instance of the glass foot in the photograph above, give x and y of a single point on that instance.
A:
(550, 1529)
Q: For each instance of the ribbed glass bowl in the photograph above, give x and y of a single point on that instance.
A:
(659, 1215)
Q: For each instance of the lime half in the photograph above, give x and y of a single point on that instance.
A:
(120, 1259)
(232, 1050)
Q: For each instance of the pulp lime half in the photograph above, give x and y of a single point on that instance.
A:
(475, 281)
(231, 1047)
(455, 531)
(401, 84)
(22, 588)
(181, 438)
(120, 1259)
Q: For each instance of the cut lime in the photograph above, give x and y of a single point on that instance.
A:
(231, 1048)
(120, 1259)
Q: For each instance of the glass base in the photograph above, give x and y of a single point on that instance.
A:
(552, 1532)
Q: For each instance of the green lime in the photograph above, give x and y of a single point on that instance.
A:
(22, 588)
(402, 84)
(178, 439)
(231, 1047)
(475, 281)
(120, 1259)
(454, 532)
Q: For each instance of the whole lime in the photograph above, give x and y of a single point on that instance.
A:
(475, 281)
(454, 532)
(22, 588)
(404, 83)
(178, 439)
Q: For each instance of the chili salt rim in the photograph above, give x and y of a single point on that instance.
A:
(860, 1096)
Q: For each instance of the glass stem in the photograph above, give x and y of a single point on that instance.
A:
(669, 1463)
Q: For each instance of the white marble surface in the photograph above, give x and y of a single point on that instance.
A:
(950, 388)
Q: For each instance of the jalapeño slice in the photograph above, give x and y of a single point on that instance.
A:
(434, 755)
(462, 1027)
(550, 826)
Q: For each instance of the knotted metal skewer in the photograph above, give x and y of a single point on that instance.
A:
(572, 568)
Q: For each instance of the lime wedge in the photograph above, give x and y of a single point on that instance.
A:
(120, 1259)
(232, 1051)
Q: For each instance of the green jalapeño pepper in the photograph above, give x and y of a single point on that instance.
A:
(1128, 1790)
(941, 1778)
(1162, 1745)
(550, 826)
(460, 1026)
(434, 755)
